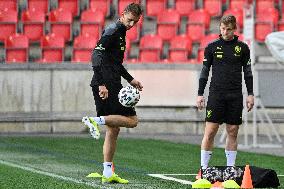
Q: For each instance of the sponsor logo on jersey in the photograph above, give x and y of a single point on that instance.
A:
(100, 47)
(209, 113)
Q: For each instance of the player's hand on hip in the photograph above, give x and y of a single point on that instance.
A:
(200, 102)
(136, 84)
(250, 102)
(103, 92)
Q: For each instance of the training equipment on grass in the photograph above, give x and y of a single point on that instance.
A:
(201, 183)
(230, 184)
(212, 174)
(232, 173)
(129, 96)
(245, 176)
(217, 185)
(247, 180)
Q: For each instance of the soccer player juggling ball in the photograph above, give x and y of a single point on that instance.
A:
(107, 59)
(228, 57)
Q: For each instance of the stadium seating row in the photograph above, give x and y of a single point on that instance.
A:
(34, 22)
(45, 5)
(59, 20)
(52, 48)
(153, 7)
(92, 22)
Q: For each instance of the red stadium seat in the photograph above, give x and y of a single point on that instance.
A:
(214, 7)
(200, 16)
(184, 7)
(196, 31)
(92, 22)
(150, 48)
(168, 22)
(198, 23)
(154, 7)
(180, 48)
(262, 29)
(237, 4)
(16, 47)
(262, 5)
(281, 25)
(82, 49)
(103, 5)
(266, 22)
(39, 5)
(8, 4)
(203, 43)
(33, 24)
(241, 36)
(282, 10)
(8, 23)
(133, 33)
(200, 55)
(268, 15)
(60, 23)
(238, 13)
(207, 39)
(52, 48)
(70, 5)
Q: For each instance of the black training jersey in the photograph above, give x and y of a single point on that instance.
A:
(228, 59)
(107, 57)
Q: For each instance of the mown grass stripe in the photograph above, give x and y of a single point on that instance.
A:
(69, 179)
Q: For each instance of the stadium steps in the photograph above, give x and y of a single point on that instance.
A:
(145, 114)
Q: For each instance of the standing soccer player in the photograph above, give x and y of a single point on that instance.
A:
(228, 57)
(107, 59)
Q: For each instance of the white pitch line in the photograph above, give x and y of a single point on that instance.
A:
(70, 179)
(189, 174)
(181, 174)
(162, 176)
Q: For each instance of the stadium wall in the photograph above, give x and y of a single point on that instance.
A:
(53, 98)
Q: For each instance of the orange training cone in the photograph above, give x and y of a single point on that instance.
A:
(217, 185)
(247, 181)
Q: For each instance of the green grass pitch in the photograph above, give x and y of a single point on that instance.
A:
(64, 162)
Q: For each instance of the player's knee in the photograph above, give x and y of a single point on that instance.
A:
(232, 131)
(134, 123)
(209, 138)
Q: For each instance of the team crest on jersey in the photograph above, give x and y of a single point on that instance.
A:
(238, 49)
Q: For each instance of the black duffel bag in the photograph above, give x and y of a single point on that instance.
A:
(261, 177)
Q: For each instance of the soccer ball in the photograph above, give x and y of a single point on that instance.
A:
(212, 174)
(128, 96)
(232, 173)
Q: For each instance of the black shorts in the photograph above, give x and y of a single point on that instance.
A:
(224, 108)
(111, 105)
